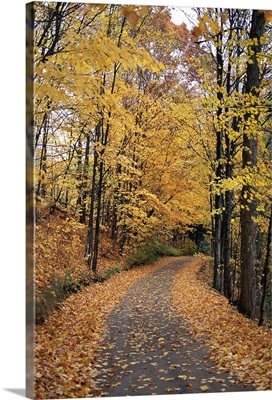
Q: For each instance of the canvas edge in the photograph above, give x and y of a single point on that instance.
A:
(30, 306)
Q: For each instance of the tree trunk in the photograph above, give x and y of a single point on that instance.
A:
(227, 215)
(266, 271)
(218, 272)
(229, 154)
(247, 300)
(82, 218)
(226, 228)
(90, 234)
(41, 189)
(98, 218)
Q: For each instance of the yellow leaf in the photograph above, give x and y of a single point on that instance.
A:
(131, 15)
(197, 31)
(204, 388)
(215, 27)
(206, 17)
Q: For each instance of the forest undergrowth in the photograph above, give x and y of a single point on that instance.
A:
(59, 249)
(59, 267)
(237, 344)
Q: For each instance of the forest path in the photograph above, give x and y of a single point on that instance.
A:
(147, 349)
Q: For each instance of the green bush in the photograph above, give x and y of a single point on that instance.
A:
(163, 250)
(47, 299)
(148, 254)
(60, 288)
(56, 291)
(112, 271)
(188, 252)
(144, 255)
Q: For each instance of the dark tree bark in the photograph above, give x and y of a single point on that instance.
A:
(82, 178)
(232, 80)
(247, 300)
(84, 183)
(226, 228)
(41, 188)
(90, 234)
(218, 272)
(98, 217)
(266, 271)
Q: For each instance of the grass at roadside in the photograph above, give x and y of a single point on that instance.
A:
(148, 254)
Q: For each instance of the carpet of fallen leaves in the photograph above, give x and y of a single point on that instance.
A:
(66, 344)
(237, 344)
(147, 351)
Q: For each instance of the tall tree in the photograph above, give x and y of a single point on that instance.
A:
(249, 228)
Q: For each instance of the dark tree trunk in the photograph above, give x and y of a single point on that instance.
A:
(41, 189)
(116, 200)
(247, 300)
(218, 272)
(266, 271)
(102, 135)
(229, 153)
(226, 228)
(98, 218)
(90, 234)
(227, 215)
(79, 175)
(83, 212)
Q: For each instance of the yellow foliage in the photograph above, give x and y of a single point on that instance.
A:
(267, 15)
(131, 15)
(215, 27)
(197, 31)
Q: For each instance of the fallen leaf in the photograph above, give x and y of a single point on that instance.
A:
(204, 388)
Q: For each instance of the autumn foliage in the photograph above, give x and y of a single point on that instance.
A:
(149, 139)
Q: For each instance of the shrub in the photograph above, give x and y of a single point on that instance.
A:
(48, 298)
(56, 291)
(189, 248)
(60, 288)
(112, 271)
(144, 255)
(148, 254)
(163, 250)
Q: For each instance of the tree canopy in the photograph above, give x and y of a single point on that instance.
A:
(146, 130)
(150, 139)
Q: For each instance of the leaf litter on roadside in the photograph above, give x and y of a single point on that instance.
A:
(66, 344)
(237, 344)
